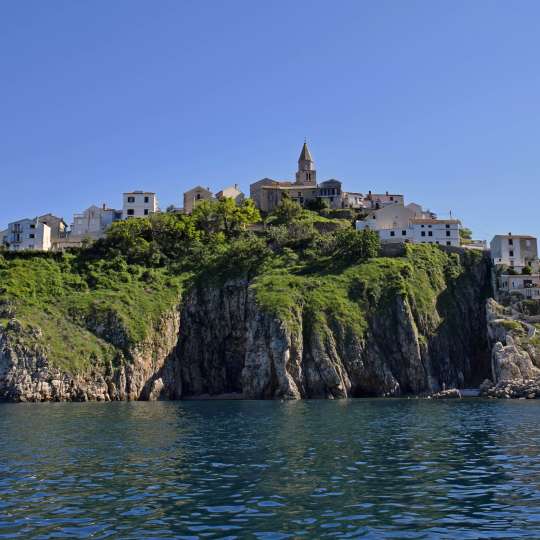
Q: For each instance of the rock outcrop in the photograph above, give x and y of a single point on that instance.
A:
(515, 360)
(26, 373)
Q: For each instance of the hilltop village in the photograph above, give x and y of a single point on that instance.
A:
(515, 257)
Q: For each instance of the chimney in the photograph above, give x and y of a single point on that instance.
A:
(387, 192)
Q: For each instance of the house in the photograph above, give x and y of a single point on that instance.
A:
(194, 196)
(93, 222)
(377, 200)
(3, 237)
(527, 286)
(514, 251)
(139, 204)
(395, 222)
(59, 228)
(28, 234)
(231, 192)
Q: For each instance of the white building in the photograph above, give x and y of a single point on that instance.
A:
(514, 250)
(395, 222)
(28, 234)
(93, 222)
(139, 204)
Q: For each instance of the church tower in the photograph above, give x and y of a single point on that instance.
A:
(306, 175)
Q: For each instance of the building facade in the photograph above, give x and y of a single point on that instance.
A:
(231, 192)
(139, 204)
(395, 222)
(28, 234)
(93, 222)
(514, 250)
(527, 286)
(195, 196)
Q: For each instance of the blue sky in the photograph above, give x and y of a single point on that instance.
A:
(436, 100)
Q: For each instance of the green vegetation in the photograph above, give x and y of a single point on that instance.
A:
(465, 235)
(93, 305)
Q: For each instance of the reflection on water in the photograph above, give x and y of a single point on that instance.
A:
(269, 470)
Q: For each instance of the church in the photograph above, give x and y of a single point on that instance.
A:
(267, 193)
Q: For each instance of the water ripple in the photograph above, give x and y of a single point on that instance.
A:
(265, 470)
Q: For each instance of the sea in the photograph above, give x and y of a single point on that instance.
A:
(363, 468)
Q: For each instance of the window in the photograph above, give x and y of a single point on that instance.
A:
(424, 233)
(392, 233)
(447, 233)
(448, 243)
(32, 225)
(511, 253)
(422, 226)
(146, 211)
(447, 226)
(130, 212)
(403, 233)
(430, 233)
(131, 199)
(147, 199)
(31, 235)
(510, 241)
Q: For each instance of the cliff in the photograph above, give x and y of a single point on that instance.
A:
(381, 327)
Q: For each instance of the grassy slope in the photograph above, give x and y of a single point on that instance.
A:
(347, 294)
(50, 293)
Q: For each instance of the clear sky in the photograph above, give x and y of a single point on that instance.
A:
(436, 100)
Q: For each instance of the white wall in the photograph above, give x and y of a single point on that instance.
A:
(29, 234)
(139, 204)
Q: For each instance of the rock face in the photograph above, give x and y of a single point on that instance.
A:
(515, 361)
(221, 342)
(26, 373)
(228, 345)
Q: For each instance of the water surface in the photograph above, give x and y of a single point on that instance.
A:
(270, 470)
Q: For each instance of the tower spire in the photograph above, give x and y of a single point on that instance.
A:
(306, 174)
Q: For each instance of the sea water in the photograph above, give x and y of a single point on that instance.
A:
(369, 468)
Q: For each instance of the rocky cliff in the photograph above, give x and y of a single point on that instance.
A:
(229, 344)
(515, 349)
(389, 327)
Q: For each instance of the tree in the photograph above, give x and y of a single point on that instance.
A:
(286, 211)
(465, 235)
(526, 271)
(224, 215)
(317, 205)
(357, 245)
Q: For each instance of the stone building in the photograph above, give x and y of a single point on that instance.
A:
(194, 196)
(514, 250)
(268, 192)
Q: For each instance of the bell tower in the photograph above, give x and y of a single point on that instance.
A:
(306, 175)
